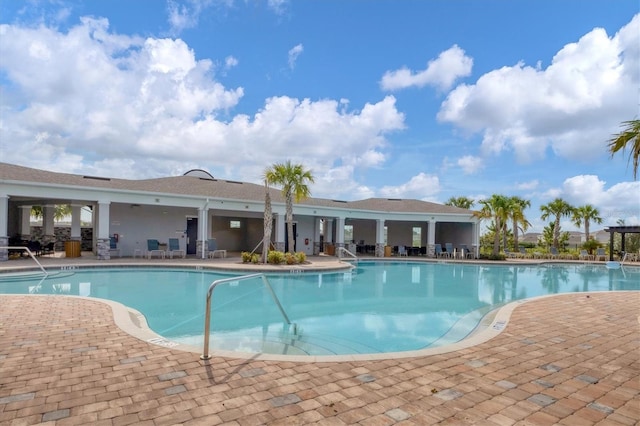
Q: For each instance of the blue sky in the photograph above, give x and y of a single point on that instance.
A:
(399, 99)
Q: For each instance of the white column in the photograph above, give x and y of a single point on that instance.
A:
(48, 213)
(379, 250)
(4, 227)
(279, 234)
(25, 222)
(76, 232)
(316, 236)
(328, 231)
(102, 241)
(339, 235)
(431, 238)
(203, 232)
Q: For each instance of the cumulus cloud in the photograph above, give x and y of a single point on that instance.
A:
(441, 72)
(470, 164)
(619, 201)
(591, 85)
(421, 186)
(149, 106)
(294, 52)
(230, 62)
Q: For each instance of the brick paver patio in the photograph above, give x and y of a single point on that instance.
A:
(569, 360)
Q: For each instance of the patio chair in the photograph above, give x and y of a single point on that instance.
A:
(466, 252)
(601, 255)
(49, 248)
(584, 255)
(553, 253)
(402, 251)
(153, 247)
(113, 246)
(449, 248)
(212, 245)
(439, 252)
(174, 248)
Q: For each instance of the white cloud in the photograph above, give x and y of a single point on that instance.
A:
(470, 164)
(620, 201)
(591, 86)
(183, 15)
(441, 72)
(528, 186)
(421, 186)
(294, 52)
(230, 62)
(151, 107)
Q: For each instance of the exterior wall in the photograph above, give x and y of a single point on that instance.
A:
(135, 224)
(62, 234)
(364, 230)
(455, 233)
(306, 231)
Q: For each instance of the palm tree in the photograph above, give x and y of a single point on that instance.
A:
(496, 208)
(629, 136)
(517, 206)
(557, 208)
(293, 178)
(462, 202)
(268, 223)
(60, 212)
(586, 213)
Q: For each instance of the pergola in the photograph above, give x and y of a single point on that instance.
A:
(621, 230)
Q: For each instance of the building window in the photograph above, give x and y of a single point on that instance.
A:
(348, 233)
(234, 224)
(417, 236)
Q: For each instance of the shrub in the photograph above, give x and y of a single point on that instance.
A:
(255, 258)
(290, 258)
(275, 257)
(246, 257)
(301, 257)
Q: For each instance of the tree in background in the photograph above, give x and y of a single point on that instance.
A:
(549, 236)
(462, 202)
(585, 214)
(61, 211)
(557, 208)
(294, 179)
(630, 135)
(268, 222)
(516, 209)
(495, 208)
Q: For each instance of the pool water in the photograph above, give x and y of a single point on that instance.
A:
(377, 307)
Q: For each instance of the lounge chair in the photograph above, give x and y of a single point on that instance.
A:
(523, 253)
(153, 247)
(402, 251)
(212, 245)
(113, 246)
(49, 248)
(449, 248)
(439, 252)
(584, 255)
(600, 255)
(466, 252)
(174, 248)
(553, 253)
(509, 254)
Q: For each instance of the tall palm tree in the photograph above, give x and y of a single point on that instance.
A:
(496, 208)
(586, 214)
(268, 223)
(60, 212)
(517, 206)
(294, 179)
(462, 202)
(557, 208)
(630, 135)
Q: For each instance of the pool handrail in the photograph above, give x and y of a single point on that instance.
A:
(342, 249)
(207, 315)
(44, 271)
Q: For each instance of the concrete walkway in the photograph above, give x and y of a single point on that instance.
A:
(568, 359)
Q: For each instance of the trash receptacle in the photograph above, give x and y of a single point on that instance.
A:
(72, 248)
(387, 251)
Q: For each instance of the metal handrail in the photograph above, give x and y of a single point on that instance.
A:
(30, 254)
(342, 249)
(207, 315)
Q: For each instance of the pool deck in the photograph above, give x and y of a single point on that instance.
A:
(570, 359)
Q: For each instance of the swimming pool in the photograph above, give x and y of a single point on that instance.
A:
(378, 307)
